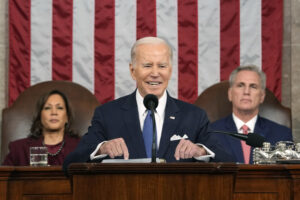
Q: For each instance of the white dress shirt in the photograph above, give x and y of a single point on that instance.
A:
(239, 123)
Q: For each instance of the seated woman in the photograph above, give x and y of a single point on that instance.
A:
(50, 128)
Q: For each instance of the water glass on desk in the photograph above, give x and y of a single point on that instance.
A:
(38, 156)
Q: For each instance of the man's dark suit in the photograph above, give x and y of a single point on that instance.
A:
(119, 118)
(272, 131)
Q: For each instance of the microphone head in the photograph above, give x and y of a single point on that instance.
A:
(255, 140)
(150, 101)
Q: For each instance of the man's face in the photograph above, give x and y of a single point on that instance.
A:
(152, 70)
(246, 93)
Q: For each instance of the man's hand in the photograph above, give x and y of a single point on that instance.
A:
(186, 149)
(115, 147)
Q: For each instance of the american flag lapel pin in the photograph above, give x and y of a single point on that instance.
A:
(172, 117)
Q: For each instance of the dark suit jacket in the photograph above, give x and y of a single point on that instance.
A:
(119, 118)
(19, 151)
(272, 131)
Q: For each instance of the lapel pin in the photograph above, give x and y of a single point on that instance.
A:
(172, 117)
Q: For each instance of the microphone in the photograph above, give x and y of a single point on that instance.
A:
(151, 102)
(252, 139)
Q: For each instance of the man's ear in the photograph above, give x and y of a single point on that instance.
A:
(262, 97)
(131, 69)
(229, 94)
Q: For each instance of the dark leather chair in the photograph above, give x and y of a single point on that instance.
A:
(17, 119)
(214, 100)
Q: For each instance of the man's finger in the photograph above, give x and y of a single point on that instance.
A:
(124, 150)
(119, 148)
(188, 151)
(182, 150)
(177, 155)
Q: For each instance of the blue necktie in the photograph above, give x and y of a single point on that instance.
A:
(147, 134)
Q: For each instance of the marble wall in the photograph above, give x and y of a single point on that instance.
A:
(3, 55)
(295, 66)
(290, 70)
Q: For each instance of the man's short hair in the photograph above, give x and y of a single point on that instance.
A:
(149, 40)
(253, 68)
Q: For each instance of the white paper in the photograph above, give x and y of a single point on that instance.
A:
(139, 160)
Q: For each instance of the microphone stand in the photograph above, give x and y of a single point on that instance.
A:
(153, 159)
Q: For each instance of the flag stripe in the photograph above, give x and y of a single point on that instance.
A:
(187, 50)
(83, 43)
(19, 51)
(230, 37)
(41, 41)
(167, 28)
(62, 40)
(104, 50)
(146, 18)
(250, 32)
(208, 44)
(272, 26)
(125, 35)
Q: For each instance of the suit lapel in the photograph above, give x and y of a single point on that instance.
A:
(235, 144)
(258, 129)
(131, 118)
(172, 118)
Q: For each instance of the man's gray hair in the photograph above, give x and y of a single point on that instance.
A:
(149, 40)
(253, 68)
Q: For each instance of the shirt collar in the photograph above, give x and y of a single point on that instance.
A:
(160, 110)
(239, 123)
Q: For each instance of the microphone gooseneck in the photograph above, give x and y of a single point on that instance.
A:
(252, 139)
(151, 102)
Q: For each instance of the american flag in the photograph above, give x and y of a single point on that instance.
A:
(89, 41)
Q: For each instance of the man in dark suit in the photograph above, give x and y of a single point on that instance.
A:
(116, 130)
(247, 92)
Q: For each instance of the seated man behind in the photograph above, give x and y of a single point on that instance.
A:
(247, 92)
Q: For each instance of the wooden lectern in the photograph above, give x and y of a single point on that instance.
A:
(157, 181)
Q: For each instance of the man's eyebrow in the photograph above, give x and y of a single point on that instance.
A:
(240, 82)
(254, 84)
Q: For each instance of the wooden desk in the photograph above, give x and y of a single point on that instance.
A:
(153, 181)
(34, 183)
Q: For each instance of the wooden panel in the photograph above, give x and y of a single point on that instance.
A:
(153, 181)
(294, 171)
(260, 182)
(260, 196)
(4, 176)
(3, 189)
(56, 186)
(36, 183)
(152, 186)
(47, 197)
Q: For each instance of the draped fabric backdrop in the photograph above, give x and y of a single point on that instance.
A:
(88, 42)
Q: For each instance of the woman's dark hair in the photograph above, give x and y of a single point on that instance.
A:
(36, 129)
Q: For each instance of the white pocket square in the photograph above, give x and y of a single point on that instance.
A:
(178, 137)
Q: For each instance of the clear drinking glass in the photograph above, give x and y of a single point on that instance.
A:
(38, 156)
